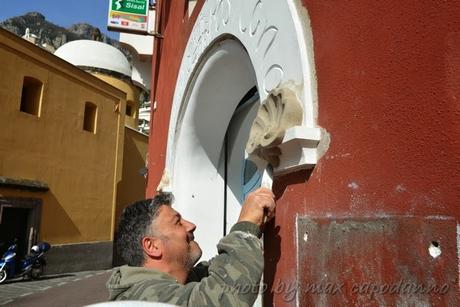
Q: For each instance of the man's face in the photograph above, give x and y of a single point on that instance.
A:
(176, 234)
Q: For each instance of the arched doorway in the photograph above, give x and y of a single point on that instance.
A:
(207, 165)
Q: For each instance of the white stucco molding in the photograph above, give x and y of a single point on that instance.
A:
(299, 149)
(280, 111)
(277, 38)
(278, 137)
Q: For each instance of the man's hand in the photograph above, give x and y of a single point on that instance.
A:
(258, 205)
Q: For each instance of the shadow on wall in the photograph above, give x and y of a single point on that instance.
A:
(68, 253)
(132, 186)
(165, 8)
(272, 239)
(56, 225)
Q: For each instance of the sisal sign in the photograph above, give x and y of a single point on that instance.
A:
(128, 15)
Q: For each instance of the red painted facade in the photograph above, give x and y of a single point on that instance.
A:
(388, 83)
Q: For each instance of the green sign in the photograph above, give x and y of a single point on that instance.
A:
(130, 6)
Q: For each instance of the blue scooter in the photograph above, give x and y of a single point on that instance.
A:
(31, 266)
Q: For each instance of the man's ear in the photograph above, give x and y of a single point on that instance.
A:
(152, 247)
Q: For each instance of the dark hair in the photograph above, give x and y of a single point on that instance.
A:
(135, 224)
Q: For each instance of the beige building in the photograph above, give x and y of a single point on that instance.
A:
(68, 163)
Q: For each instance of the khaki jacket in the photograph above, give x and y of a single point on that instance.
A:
(230, 279)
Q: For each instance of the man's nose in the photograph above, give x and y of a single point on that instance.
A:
(189, 226)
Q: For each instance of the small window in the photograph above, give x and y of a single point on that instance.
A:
(89, 122)
(31, 96)
(129, 110)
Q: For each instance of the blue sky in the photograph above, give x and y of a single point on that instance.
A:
(63, 12)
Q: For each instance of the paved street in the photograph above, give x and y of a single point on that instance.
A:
(72, 289)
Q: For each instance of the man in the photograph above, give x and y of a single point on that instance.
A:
(159, 247)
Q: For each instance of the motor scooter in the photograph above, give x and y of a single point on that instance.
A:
(31, 266)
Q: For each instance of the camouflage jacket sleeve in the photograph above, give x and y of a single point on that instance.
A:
(199, 271)
(233, 277)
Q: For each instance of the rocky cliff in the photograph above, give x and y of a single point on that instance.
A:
(51, 34)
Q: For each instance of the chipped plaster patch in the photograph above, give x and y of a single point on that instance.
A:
(458, 250)
(353, 185)
(324, 143)
(332, 157)
(305, 236)
(434, 249)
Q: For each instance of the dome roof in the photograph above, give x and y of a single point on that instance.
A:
(94, 54)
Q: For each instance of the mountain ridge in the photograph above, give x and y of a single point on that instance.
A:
(52, 34)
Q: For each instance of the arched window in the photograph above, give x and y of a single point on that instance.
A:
(31, 96)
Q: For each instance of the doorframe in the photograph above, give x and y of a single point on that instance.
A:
(34, 216)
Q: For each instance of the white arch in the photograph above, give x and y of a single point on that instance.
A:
(224, 78)
(278, 40)
(234, 45)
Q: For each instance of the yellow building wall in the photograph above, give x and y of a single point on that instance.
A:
(132, 186)
(132, 97)
(81, 169)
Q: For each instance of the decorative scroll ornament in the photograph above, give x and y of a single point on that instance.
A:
(279, 112)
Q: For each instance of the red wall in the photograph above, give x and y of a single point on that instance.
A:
(389, 94)
(173, 23)
(388, 75)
